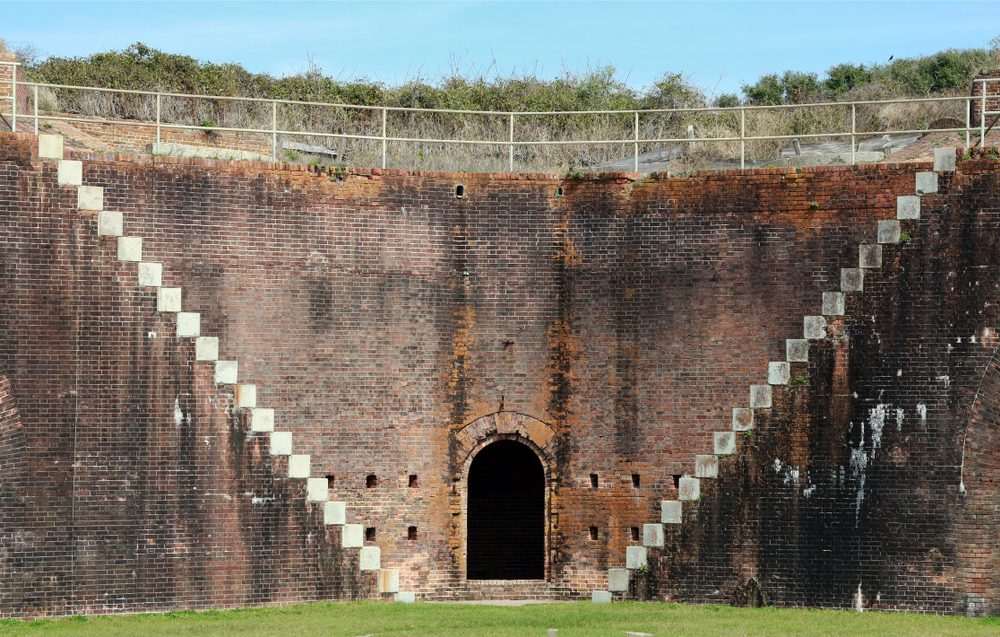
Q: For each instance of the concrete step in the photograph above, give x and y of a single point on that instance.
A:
(188, 325)
(671, 512)
(724, 443)
(206, 348)
(388, 581)
(262, 420)
(280, 443)
(90, 198)
(226, 372)
(150, 274)
(298, 466)
(70, 173)
(50, 146)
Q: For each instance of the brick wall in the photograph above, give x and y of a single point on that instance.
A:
(611, 324)
(992, 93)
(8, 75)
(877, 474)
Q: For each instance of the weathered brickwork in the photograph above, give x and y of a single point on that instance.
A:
(986, 97)
(9, 73)
(874, 480)
(398, 329)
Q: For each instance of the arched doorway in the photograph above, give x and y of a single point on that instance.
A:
(506, 513)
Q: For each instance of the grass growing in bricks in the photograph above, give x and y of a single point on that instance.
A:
(579, 619)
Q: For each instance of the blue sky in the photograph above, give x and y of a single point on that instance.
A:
(718, 45)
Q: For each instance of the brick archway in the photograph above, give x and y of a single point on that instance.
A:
(472, 436)
(506, 521)
(484, 436)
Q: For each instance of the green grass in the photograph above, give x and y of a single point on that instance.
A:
(581, 619)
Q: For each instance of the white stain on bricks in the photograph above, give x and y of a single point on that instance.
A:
(862, 454)
(809, 490)
(178, 412)
(876, 420)
(922, 412)
(790, 474)
(859, 462)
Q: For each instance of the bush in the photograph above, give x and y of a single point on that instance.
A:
(767, 91)
(140, 67)
(727, 100)
(843, 78)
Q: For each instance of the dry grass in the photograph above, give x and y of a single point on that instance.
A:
(495, 129)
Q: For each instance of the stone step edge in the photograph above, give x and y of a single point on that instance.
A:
(150, 274)
(796, 350)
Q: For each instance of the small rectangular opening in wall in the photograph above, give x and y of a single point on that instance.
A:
(593, 533)
(371, 481)
(635, 480)
(594, 481)
(634, 532)
(370, 534)
(330, 479)
(411, 533)
(677, 480)
(412, 481)
(459, 191)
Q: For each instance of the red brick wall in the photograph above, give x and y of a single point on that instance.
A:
(8, 75)
(879, 472)
(992, 93)
(379, 314)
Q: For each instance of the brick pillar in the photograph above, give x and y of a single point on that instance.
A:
(992, 96)
(8, 75)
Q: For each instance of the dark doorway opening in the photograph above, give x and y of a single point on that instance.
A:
(506, 525)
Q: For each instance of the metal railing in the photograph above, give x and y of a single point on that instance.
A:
(512, 141)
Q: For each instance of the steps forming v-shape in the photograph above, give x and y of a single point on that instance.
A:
(262, 420)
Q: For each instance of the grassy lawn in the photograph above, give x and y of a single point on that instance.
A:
(581, 619)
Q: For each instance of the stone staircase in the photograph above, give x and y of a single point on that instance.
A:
(706, 466)
(242, 396)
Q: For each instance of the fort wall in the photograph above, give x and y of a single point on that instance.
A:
(611, 323)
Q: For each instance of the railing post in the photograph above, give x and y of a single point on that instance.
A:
(968, 120)
(34, 98)
(635, 138)
(511, 147)
(13, 93)
(982, 119)
(385, 143)
(158, 96)
(274, 131)
(743, 141)
(854, 129)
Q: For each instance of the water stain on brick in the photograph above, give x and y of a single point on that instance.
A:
(564, 345)
(638, 314)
